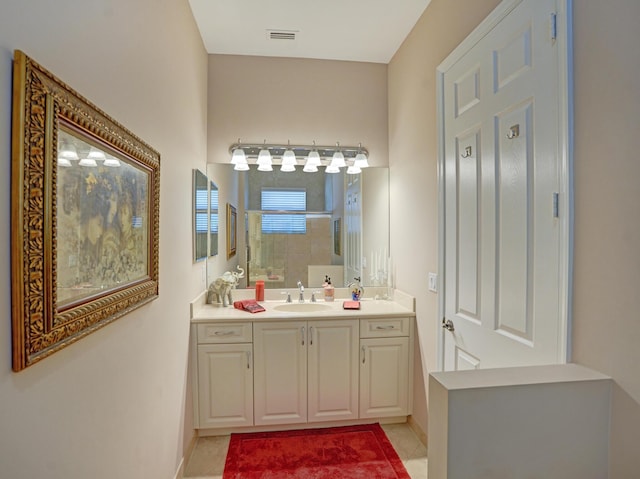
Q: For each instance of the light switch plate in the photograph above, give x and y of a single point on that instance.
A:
(433, 282)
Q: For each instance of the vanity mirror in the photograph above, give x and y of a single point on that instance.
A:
(287, 226)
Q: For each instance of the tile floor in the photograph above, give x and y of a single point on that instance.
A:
(207, 459)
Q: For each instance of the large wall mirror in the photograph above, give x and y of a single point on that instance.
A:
(302, 226)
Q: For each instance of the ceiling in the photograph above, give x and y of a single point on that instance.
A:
(354, 30)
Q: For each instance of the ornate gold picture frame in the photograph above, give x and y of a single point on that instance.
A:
(84, 223)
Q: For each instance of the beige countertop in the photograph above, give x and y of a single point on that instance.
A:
(402, 305)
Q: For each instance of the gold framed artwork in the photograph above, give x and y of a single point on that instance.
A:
(85, 208)
(232, 230)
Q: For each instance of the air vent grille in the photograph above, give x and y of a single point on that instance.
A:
(281, 34)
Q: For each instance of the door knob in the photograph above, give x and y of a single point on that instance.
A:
(448, 325)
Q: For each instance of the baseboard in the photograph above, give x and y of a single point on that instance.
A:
(187, 455)
(415, 427)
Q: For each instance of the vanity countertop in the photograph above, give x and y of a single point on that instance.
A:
(402, 305)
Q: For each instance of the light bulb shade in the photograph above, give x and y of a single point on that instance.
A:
(353, 170)
(265, 167)
(96, 154)
(90, 162)
(313, 158)
(264, 158)
(338, 160)
(310, 167)
(361, 160)
(64, 162)
(68, 151)
(238, 157)
(289, 158)
(112, 162)
(241, 166)
(287, 168)
(332, 169)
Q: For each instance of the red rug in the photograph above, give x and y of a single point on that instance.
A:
(350, 452)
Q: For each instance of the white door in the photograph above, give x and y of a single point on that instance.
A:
(280, 372)
(505, 200)
(332, 355)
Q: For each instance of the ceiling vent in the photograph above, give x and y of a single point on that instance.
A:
(281, 34)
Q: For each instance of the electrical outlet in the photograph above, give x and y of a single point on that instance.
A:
(433, 282)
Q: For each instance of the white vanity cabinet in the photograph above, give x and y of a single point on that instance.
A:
(305, 371)
(384, 367)
(225, 375)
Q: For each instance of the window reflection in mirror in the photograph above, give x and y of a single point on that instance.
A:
(213, 219)
(200, 215)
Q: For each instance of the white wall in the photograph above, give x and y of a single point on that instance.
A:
(113, 404)
(280, 99)
(606, 325)
(412, 160)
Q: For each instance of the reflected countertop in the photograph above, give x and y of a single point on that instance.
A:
(402, 305)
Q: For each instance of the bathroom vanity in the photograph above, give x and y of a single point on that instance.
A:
(297, 364)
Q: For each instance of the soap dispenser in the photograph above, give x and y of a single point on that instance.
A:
(328, 288)
(356, 289)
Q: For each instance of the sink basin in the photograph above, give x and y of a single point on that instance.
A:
(302, 307)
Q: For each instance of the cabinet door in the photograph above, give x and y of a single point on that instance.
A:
(225, 385)
(280, 376)
(384, 376)
(332, 354)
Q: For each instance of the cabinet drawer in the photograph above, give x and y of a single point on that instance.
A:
(376, 328)
(225, 333)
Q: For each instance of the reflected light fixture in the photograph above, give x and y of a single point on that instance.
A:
(111, 162)
(68, 151)
(288, 160)
(353, 170)
(64, 162)
(338, 157)
(90, 160)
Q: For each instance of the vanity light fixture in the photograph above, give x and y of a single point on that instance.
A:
(361, 159)
(90, 160)
(287, 155)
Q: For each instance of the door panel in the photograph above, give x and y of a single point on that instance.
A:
(501, 170)
(280, 372)
(333, 370)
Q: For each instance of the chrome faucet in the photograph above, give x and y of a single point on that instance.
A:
(301, 288)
